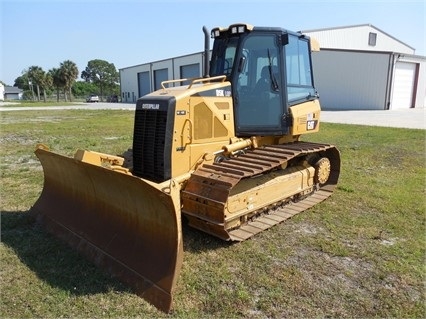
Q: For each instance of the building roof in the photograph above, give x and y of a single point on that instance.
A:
(12, 90)
(358, 26)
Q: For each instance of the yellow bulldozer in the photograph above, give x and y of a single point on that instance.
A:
(222, 152)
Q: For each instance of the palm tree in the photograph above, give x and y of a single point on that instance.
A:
(69, 72)
(57, 81)
(35, 75)
(46, 84)
(41, 79)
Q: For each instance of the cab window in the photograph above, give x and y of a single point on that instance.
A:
(298, 69)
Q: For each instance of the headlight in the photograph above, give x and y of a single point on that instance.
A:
(215, 33)
(238, 28)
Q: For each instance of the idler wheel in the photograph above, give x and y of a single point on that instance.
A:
(322, 170)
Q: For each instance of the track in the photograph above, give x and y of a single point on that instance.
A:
(206, 194)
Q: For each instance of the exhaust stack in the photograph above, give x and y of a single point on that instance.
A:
(206, 51)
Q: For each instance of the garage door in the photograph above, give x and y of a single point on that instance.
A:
(403, 88)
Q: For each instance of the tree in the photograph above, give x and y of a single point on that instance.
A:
(83, 88)
(101, 73)
(22, 82)
(46, 84)
(69, 73)
(57, 81)
(85, 76)
(36, 75)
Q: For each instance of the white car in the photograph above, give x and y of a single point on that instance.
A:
(92, 98)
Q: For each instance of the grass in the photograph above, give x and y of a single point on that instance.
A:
(358, 254)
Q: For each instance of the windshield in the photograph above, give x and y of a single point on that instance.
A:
(223, 56)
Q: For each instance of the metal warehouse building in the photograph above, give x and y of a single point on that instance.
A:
(359, 67)
(363, 68)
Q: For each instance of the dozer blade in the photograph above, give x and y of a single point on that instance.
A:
(120, 222)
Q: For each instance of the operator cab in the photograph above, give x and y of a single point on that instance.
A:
(270, 69)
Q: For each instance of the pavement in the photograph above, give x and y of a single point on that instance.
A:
(10, 106)
(407, 118)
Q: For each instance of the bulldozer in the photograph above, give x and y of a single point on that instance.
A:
(222, 152)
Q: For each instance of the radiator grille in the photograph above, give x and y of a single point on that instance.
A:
(149, 140)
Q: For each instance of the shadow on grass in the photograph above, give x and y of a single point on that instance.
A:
(60, 266)
(195, 241)
(52, 260)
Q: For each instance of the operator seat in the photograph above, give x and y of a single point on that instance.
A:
(264, 83)
(266, 100)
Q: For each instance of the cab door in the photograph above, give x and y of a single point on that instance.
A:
(257, 86)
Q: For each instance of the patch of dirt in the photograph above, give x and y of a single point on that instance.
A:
(17, 138)
(21, 162)
(308, 229)
(49, 119)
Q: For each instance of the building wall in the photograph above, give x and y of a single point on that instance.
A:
(13, 96)
(421, 87)
(187, 60)
(129, 80)
(1, 92)
(365, 80)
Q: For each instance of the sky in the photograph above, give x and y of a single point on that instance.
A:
(132, 32)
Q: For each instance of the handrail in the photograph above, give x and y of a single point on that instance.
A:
(172, 81)
(218, 77)
(194, 80)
